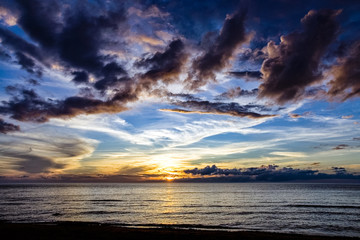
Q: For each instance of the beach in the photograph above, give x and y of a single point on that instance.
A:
(67, 230)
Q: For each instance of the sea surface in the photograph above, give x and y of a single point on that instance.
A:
(321, 209)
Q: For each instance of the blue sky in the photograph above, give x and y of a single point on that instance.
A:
(145, 90)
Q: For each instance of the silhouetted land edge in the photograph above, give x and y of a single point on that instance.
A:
(25, 231)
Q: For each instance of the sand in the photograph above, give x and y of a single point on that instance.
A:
(69, 231)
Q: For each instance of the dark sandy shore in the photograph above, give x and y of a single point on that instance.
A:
(25, 231)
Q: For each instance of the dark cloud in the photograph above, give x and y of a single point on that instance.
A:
(193, 17)
(33, 82)
(73, 35)
(218, 54)
(86, 92)
(111, 82)
(315, 92)
(28, 106)
(28, 64)
(41, 20)
(80, 77)
(270, 173)
(247, 74)
(256, 56)
(184, 96)
(82, 37)
(237, 92)
(76, 36)
(294, 63)
(113, 74)
(340, 147)
(231, 109)
(4, 56)
(7, 127)
(112, 69)
(356, 138)
(18, 44)
(346, 82)
(163, 65)
(339, 170)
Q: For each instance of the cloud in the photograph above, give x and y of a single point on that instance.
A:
(151, 12)
(231, 109)
(165, 65)
(35, 164)
(4, 55)
(71, 36)
(33, 82)
(7, 127)
(28, 64)
(7, 17)
(237, 92)
(256, 56)
(113, 74)
(294, 63)
(294, 115)
(184, 96)
(42, 153)
(339, 170)
(18, 44)
(247, 74)
(340, 147)
(346, 83)
(290, 154)
(271, 173)
(147, 40)
(347, 117)
(40, 20)
(80, 77)
(219, 53)
(29, 106)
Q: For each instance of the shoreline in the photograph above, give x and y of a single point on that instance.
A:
(93, 230)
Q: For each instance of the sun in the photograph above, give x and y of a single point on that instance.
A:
(169, 178)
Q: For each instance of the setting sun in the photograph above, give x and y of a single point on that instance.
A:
(169, 178)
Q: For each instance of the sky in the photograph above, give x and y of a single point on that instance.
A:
(179, 90)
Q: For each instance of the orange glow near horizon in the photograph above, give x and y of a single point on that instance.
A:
(169, 178)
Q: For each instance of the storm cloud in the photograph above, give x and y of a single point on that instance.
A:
(165, 65)
(72, 36)
(294, 64)
(219, 53)
(346, 82)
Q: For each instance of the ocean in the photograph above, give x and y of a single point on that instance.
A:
(304, 208)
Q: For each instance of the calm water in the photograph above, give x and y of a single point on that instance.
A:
(330, 209)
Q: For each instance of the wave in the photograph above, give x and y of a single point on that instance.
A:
(322, 206)
(106, 200)
(102, 212)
